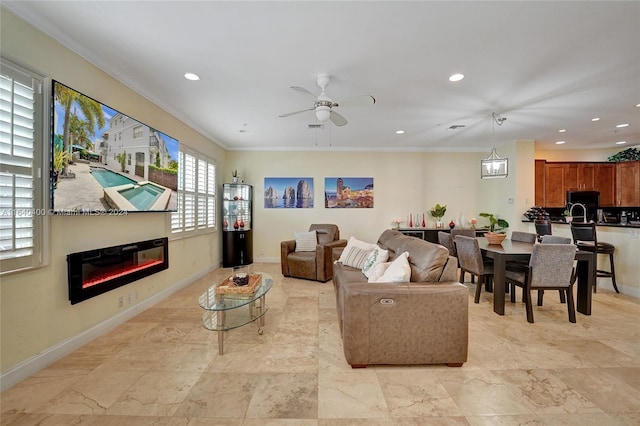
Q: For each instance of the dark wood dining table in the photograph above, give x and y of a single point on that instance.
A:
(516, 250)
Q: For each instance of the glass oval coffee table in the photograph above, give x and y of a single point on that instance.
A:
(226, 311)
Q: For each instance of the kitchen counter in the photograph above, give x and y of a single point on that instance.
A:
(611, 225)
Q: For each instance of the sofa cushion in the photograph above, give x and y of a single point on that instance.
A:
(306, 241)
(355, 257)
(378, 271)
(427, 259)
(398, 271)
(377, 256)
(354, 242)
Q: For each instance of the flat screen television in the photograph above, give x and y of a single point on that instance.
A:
(105, 162)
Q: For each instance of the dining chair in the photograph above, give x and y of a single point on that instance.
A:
(550, 268)
(553, 239)
(471, 261)
(525, 237)
(543, 227)
(586, 238)
(444, 239)
(471, 233)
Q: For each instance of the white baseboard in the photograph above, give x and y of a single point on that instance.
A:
(267, 260)
(61, 349)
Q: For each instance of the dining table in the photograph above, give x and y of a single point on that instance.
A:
(510, 250)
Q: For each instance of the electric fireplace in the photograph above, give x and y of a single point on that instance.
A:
(94, 272)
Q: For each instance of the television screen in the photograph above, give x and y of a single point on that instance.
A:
(103, 161)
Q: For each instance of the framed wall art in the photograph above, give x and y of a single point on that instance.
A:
(288, 192)
(348, 192)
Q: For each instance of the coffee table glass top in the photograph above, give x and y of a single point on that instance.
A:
(211, 301)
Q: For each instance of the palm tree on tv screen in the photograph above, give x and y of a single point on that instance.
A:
(91, 110)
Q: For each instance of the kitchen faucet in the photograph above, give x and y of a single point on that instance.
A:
(584, 209)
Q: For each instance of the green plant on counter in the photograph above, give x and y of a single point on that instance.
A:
(438, 211)
(495, 225)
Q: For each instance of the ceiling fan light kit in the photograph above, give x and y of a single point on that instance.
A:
(324, 106)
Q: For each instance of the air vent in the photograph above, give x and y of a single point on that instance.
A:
(456, 126)
(316, 126)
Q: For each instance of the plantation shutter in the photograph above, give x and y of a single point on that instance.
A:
(21, 202)
(196, 195)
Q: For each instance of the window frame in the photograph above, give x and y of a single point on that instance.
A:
(40, 170)
(200, 198)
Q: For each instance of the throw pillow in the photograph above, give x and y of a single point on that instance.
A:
(355, 257)
(306, 241)
(378, 255)
(354, 242)
(398, 272)
(378, 271)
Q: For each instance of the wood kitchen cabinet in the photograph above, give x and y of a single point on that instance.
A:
(628, 184)
(552, 185)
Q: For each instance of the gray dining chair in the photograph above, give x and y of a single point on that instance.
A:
(471, 261)
(554, 239)
(444, 239)
(471, 233)
(525, 237)
(550, 268)
(519, 265)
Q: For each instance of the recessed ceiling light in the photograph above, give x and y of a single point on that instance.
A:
(622, 125)
(456, 77)
(595, 119)
(638, 105)
(562, 130)
(191, 76)
(621, 142)
(560, 142)
(399, 132)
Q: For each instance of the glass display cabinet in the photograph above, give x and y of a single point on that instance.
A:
(237, 224)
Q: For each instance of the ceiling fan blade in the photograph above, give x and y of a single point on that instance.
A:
(362, 100)
(303, 90)
(337, 119)
(296, 112)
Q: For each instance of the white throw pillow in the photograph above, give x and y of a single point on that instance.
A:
(306, 241)
(377, 256)
(354, 242)
(355, 257)
(398, 272)
(378, 271)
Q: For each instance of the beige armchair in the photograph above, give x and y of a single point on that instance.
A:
(312, 265)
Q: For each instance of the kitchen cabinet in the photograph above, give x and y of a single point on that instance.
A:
(561, 177)
(628, 184)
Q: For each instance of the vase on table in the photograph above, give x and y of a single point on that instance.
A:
(452, 224)
(410, 220)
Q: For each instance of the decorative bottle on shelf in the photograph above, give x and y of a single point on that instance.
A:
(410, 220)
(462, 221)
(424, 224)
(226, 223)
(236, 225)
(452, 224)
(241, 223)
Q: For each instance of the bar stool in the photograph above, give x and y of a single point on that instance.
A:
(543, 227)
(585, 237)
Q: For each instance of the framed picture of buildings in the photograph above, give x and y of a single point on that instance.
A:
(288, 192)
(348, 192)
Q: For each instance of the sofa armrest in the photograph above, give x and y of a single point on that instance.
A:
(411, 323)
(324, 259)
(336, 252)
(286, 247)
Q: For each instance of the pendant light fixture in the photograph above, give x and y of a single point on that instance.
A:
(494, 166)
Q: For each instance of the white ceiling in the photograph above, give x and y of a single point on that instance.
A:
(544, 65)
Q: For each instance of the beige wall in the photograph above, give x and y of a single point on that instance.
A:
(35, 312)
(403, 183)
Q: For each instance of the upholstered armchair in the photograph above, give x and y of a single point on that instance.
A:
(315, 264)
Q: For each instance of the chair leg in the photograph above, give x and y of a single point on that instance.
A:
(570, 305)
(613, 273)
(473, 278)
(461, 276)
(562, 298)
(527, 302)
(512, 292)
(478, 289)
(540, 297)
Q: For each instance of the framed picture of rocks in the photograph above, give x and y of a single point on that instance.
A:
(288, 192)
(348, 192)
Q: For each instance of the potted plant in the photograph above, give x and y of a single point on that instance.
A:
(496, 228)
(234, 176)
(567, 216)
(437, 212)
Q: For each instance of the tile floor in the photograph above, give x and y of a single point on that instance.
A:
(163, 368)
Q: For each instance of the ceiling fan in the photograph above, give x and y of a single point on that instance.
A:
(323, 105)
